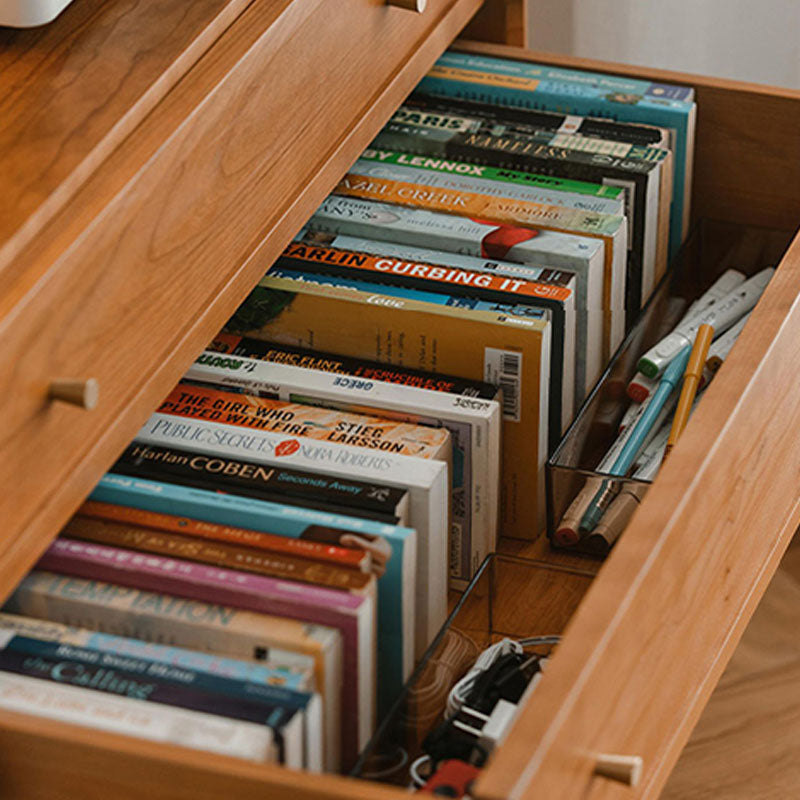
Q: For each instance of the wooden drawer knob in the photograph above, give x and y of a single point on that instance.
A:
(625, 769)
(411, 5)
(83, 394)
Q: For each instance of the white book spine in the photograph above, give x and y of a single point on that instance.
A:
(152, 721)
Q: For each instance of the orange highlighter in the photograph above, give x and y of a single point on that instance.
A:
(691, 381)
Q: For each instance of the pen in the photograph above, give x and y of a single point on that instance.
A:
(718, 351)
(722, 315)
(691, 380)
(616, 518)
(640, 386)
(637, 439)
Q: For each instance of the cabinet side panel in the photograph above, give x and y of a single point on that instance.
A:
(500, 21)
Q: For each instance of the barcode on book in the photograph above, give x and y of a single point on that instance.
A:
(503, 368)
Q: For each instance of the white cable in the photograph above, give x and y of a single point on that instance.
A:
(413, 771)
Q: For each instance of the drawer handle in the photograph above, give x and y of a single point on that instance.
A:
(411, 5)
(625, 769)
(83, 394)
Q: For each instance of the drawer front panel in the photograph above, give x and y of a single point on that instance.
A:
(162, 243)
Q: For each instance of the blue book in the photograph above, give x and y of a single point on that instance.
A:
(396, 587)
(524, 84)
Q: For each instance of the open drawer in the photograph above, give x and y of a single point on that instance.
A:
(650, 637)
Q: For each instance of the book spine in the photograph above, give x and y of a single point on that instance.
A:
(351, 557)
(241, 590)
(154, 722)
(248, 672)
(83, 674)
(217, 554)
(277, 353)
(308, 422)
(240, 476)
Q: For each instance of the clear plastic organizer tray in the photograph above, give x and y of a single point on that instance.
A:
(711, 249)
(508, 597)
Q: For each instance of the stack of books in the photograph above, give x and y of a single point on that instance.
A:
(261, 569)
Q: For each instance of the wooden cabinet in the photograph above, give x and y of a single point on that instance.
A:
(155, 158)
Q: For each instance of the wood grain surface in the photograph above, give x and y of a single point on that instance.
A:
(681, 583)
(159, 246)
(745, 744)
(71, 91)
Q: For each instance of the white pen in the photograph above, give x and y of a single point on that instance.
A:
(640, 386)
(719, 350)
(721, 316)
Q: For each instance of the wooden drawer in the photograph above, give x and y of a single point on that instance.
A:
(140, 213)
(151, 246)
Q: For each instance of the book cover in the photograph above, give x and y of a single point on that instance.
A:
(231, 556)
(307, 421)
(313, 651)
(487, 140)
(508, 351)
(240, 476)
(156, 723)
(278, 353)
(474, 427)
(552, 190)
(610, 229)
(347, 220)
(350, 557)
(588, 326)
(251, 673)
(352, 615)
(394, 550)
(590, 127)
(529, 85)
(22, 656)
(477, 289)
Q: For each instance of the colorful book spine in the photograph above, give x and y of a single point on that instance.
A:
(394, 550)
(352, 615)
(251, 673)
(307, 421)
(311, 652)
(525, 84)
(241, 476)
(279, 353)
(28, 657)
(610, 229)
(349, 557)
(218, 554)
(474, 427)
(122, 715)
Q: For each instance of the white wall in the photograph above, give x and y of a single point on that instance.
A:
(750, 40)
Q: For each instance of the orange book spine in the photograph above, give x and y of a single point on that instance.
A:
(352, 558)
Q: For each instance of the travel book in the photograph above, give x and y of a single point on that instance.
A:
(474, 427)
(643, 172)
(298, 744)
(349, 557)
(608, 228)
(350, 219)
(156, 723)
(552, 190)
(311, 651)
(438, 281)
(393, 547)
(373, 323)
(529, 85)
(307, 489)
(352, 615)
